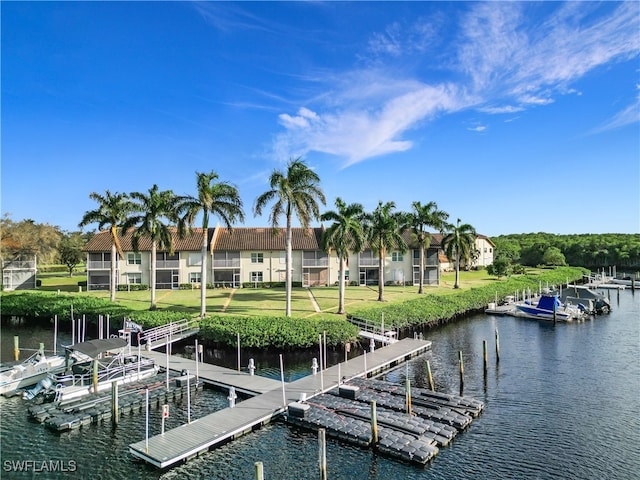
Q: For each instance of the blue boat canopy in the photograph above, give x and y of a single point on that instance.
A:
(546, 302)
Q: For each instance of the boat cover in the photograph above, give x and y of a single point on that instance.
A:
(93, 348)
(546, 303)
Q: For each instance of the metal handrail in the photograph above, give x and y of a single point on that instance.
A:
(168, 330)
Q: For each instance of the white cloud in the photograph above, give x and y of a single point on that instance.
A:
(625, 117)
(478, 128)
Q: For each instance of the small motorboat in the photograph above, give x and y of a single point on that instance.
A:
(549, 307)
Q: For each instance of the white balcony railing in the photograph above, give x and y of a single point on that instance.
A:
(167, 263)
(19, 265)
(315, 262)
(99, 264)
(369, 262)
(230, 263)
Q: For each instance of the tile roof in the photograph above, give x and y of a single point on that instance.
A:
(101, 242)
(266, 238)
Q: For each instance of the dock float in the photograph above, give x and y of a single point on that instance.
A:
(189, 440)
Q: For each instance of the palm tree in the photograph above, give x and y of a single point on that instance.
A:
(214, 198)
(344, 235)
(153, 213)
(112, 212)
(421, 217)
(295, 191)
(384, 232)
(458, 244)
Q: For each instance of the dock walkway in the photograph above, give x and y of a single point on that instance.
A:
(187, 441)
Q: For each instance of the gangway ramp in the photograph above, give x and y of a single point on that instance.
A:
(171, 332)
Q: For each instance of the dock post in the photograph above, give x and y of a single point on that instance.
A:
(633, 284)
(497, 346)
(485, 357)
(139, 360)
(322, 453)
(95, 376)
(146, 405)
(238, 351)
(188, 398)
(16, 348)
(555, 315)
(232, 397)
(166, 349)
(284, 396)
(251, 367)
(374, 424)
(365, 364)
(339, 373)
(461, 362)
(431, 386)
(259, 470)
(314, 366)
(372, 345)
(55, 334)
(73, 328)
(84, 327)
(408, 393)
(325, 351)
(115, 412)
(197, 373)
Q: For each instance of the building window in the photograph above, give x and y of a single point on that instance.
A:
(134, 258)
(256, 276)
(134, 278)
(195, 259)
(283, 258)
(195, 277)
(396, 257)
(257, 258)
(490, 250)
(346, 275)
(485, 249)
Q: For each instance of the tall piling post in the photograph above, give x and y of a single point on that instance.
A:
(431, 386)
(115, 412)
(55, 334)
(16, 348)
(408, 394)
(284, 395)
(238, 351)
(461, 366)
(485, 356)
(322, 453)
(374, 424)
(259, 470)
(497, 346)
(555, 313)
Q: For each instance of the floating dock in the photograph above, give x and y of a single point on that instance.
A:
(189, 440)
(433, 421)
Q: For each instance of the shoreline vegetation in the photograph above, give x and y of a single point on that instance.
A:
(258, 314)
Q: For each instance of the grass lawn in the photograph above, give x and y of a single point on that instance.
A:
(268, 301)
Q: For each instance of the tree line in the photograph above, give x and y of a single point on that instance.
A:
(587, 250)
(293, 192)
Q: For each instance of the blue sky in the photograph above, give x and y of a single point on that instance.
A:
(514, 117)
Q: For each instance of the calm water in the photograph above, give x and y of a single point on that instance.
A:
(563, 402)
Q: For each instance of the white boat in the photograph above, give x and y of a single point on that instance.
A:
(109, 364)
(549, 307)
(30, 372)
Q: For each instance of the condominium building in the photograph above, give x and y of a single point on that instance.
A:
(252, 256)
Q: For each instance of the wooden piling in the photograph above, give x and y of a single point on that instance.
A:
(322, 453)
(259, 470)
(431, 386)
(497, 347)
(408, 394)
(95, 375)
(485, 357)
(374, 424)
(16, 348)
(555, 315)
(461, 362)
(115, 413)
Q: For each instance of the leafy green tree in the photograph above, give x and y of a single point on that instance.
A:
(553, 256)
(343, 236)
(113, 211)
(458, 244)
(294, 192)
(509, 249)
(153, 213)
(500, 267)
(419, 219)
(70, 250)
(384, 233)
(216, 198)
(26, 238)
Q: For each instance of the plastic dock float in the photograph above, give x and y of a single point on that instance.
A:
(189, 440)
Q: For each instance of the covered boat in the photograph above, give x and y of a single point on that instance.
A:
(548, 307)
(30, 372)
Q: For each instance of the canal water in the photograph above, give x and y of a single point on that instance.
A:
(563, 402)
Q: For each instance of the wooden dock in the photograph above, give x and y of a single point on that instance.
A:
(189, 440)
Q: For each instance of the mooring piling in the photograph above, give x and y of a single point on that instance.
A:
(374, 424)
(431, 386)
(259, 470)
(16, 348)
(322, 453)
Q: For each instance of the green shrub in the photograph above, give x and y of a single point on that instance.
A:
(132, 287)
(82, 283)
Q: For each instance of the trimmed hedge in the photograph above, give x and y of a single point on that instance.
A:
(434, 309)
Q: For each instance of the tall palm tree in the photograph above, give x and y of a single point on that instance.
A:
(458, 244)
(421, 217)
(296, 191)
(344, 235)
(214, 198)
(384, 232)
(153, 213)
(112, 212)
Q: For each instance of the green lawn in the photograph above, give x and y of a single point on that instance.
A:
(266, 301)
